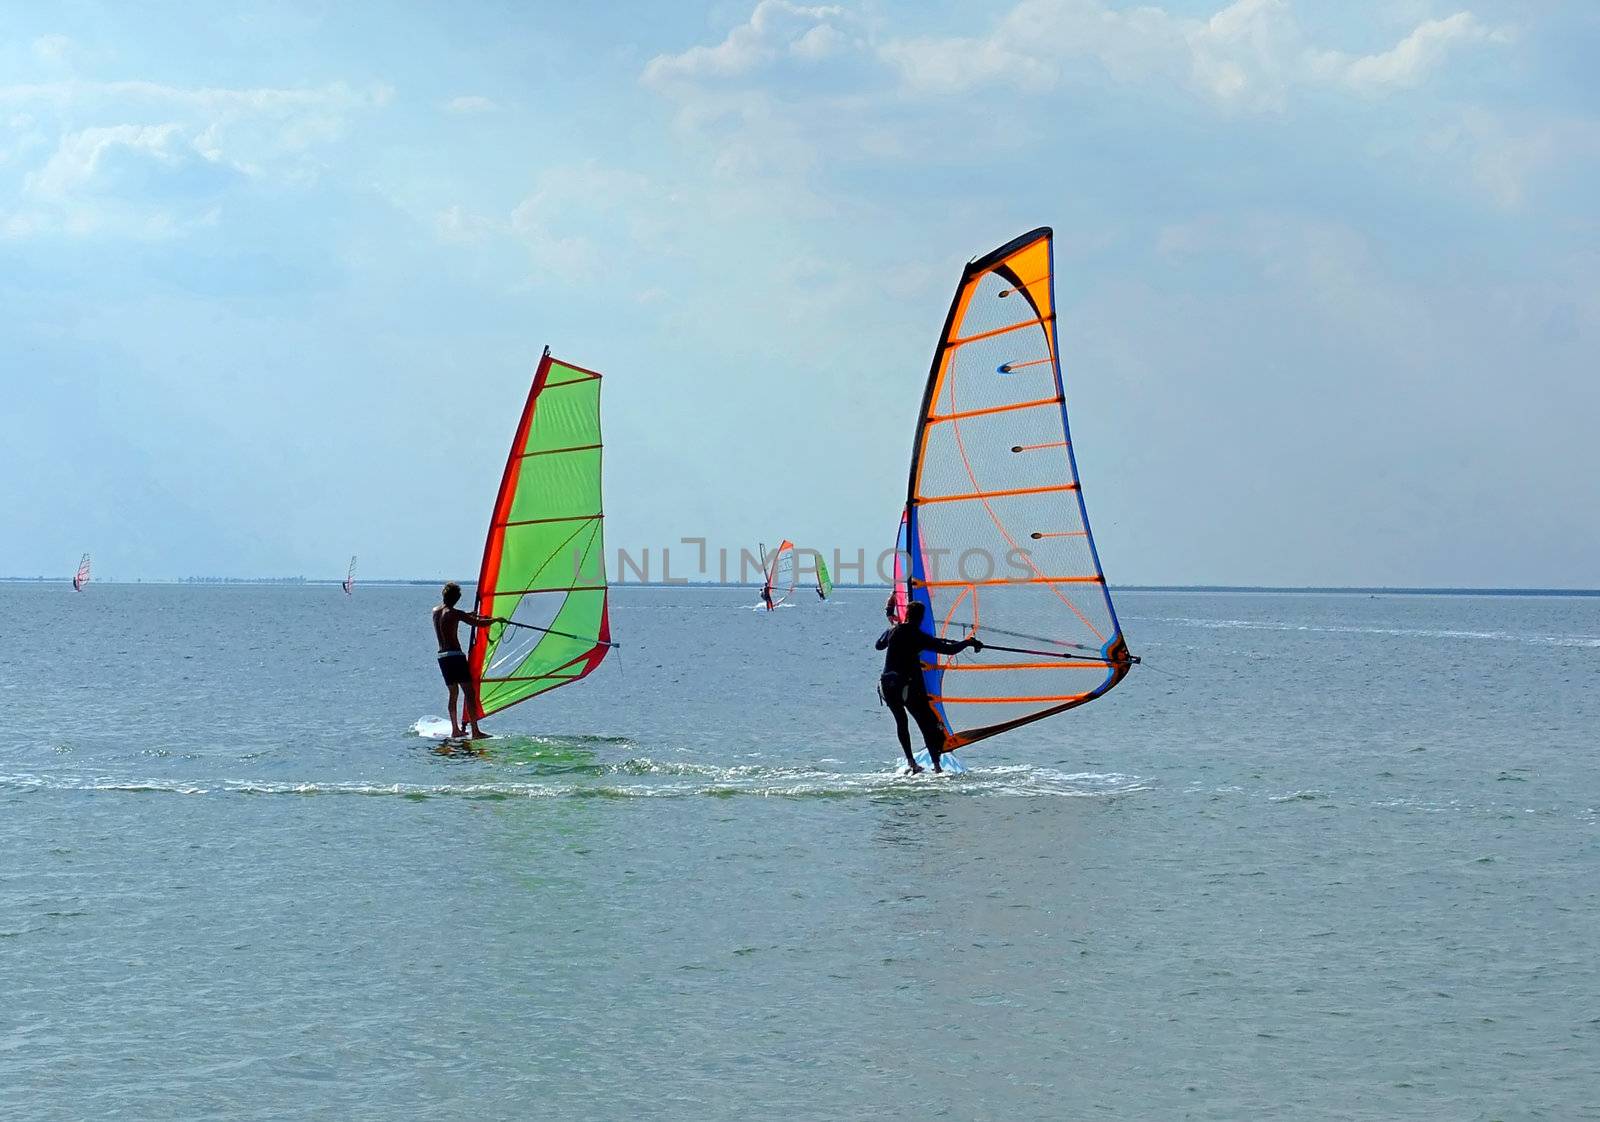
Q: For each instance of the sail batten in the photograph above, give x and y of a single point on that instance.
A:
(555, 451)
(549, 521)
(1012, 527)
(936, 419)
(544, 558)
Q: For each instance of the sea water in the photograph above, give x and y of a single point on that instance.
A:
(1320, 857)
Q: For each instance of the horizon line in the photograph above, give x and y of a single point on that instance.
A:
(1404, 590)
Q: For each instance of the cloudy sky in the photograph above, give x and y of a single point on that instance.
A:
(273, 279)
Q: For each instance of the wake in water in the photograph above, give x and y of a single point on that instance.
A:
(1350, 629)
(559, 777)
(521, 766)
(438, 728)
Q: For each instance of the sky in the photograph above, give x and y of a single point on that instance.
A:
(274, 278)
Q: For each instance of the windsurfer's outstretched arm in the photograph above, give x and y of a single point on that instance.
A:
(949, 646)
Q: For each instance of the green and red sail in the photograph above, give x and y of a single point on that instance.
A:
(544, 561)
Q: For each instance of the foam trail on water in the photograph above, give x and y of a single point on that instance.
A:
(638, 778)
(1400, 632)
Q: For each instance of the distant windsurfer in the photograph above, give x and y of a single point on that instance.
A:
(901, 685)
(453, 662)
(766, 596)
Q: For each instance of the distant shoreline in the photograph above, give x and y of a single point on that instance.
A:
(1354, 590)
(1265, 589)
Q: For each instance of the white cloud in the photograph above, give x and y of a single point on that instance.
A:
(471, 104)
(141, 181)
(52, 49)
(82, 96)
(1408, 62)
(775, 28)
(254, 129)
(574, 219)
(1244, 53)
(76, 162)
(822, 41)
(796, 88)
(151, 160)
(1505, 154)
(1248, 54)
(781, 95)
(455, 226)
(773, 129)
(948, 66)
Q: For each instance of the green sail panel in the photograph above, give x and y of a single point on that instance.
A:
(544, 563)
(824, 581)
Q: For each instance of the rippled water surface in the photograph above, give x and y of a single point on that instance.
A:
(1321, 857)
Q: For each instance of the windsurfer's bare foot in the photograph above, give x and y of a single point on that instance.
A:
(479, 734)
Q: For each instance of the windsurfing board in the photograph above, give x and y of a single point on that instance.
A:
(948, 761)
(438, 728)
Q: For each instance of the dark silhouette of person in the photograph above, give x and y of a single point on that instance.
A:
(901, 685)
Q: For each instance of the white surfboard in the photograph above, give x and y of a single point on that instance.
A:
(948, 761)
(438, 728)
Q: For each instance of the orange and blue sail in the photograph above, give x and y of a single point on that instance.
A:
(781, 574)
(995, 538)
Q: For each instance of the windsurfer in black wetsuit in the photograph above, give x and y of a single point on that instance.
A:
(766, 597)
(901, 685)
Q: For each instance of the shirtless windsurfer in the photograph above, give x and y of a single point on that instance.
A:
(453, 662)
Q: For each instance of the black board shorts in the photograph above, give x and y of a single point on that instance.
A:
(455, 668)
